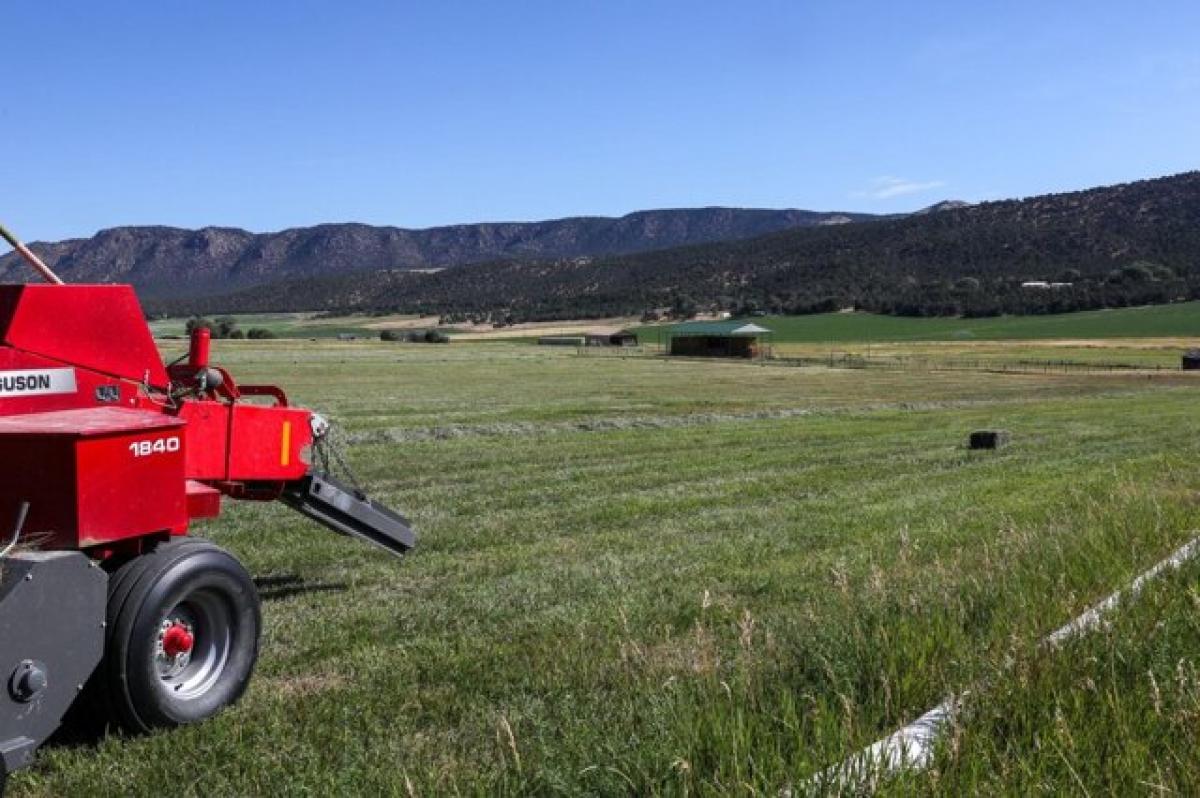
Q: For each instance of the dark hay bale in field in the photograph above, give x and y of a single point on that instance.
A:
(1190, 360)
(988, 439)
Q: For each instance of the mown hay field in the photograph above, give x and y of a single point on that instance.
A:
(642, 576)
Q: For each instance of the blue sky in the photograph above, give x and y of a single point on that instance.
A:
(268, 115)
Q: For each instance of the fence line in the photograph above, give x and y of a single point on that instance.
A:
(612, 351)
(847, 360)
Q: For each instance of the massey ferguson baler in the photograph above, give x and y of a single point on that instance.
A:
(106, 457)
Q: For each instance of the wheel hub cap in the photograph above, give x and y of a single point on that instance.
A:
(177, 640)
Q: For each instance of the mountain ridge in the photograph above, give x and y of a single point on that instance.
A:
(171, 262)
(1115, 245)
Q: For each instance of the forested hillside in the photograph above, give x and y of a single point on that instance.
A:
(1135, 243)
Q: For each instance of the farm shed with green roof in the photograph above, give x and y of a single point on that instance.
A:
(732, 338)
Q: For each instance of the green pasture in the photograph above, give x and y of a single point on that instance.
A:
(1181, 320)
(291, 325)
(640, 576)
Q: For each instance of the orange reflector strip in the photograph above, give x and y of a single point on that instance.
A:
(285, 456)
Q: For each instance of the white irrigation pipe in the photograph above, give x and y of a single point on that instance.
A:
(911, 747)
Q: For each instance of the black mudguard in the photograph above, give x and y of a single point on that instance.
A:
(52, 606)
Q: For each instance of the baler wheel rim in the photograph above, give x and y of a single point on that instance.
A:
(208, 618)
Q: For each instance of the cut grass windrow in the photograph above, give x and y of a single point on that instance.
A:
(643, 422)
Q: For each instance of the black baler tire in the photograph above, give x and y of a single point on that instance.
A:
(120, 583)
(145, 589)
(101, 707)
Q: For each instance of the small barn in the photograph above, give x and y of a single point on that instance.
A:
(1191, 360)
(610, 336)
(731, 338)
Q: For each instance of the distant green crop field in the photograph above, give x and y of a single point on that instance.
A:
(647, 576)
(1178, 320)
(290, 325)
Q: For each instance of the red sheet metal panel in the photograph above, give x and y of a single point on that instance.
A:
(202, 501)
(208, 438)
(85, 422)
(93, 476)
(100, 327)
(269, 443)
(32, 383)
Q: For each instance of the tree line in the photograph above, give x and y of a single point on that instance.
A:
(226, 327)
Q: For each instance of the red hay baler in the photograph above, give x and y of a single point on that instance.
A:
(106, 457)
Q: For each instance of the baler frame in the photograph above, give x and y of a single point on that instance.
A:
(106, 457)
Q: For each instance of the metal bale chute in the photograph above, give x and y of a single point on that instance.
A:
(348, 511)
(107, 456)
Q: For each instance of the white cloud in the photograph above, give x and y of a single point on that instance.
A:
(887, 187)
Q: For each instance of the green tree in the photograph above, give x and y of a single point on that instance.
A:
(196, 322)
(225, 327)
